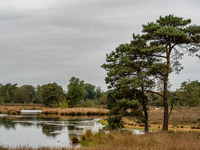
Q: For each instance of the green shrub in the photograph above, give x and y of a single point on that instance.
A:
(115, 122)
(74, 139)
(83, 138)
(88, 134)
(64, 103)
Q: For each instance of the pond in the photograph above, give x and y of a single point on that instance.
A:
(35, 130)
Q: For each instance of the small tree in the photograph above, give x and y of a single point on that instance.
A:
(99, 92)
(64, 103)
(52, 94)
(76, 91)
(30, 90)
(89, 91)
(22, 96)
(38, 97)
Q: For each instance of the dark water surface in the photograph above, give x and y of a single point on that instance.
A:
(36, 130)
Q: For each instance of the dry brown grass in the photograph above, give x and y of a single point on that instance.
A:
(183, 119)
(127, 141)
(68, 111)
(16, 109)
(10, 110)
(155, 141)
(76, 111)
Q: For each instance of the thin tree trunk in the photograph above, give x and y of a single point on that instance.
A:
(146, 118)
(144, 101)
(165, 98)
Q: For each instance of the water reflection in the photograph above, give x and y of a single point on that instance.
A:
(7, 123)
(42, 130)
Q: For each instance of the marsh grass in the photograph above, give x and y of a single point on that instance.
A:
(76, 111)
(10, 110)
(16, 110)
(58, 111)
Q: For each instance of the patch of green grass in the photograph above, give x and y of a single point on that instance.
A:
(103, 122)
(86, 143)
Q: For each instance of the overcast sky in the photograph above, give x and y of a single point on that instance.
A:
(45, 41)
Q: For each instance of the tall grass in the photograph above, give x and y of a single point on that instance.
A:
(155, 141)
(76, 111)
(127, 141)
(65, 111)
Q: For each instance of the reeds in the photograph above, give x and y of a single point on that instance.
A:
(76, 111)
(10, 110)
(16, 110)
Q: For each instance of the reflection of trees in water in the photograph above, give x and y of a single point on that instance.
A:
(47, 124)
(47, 129)
(7, 123)
(29, 121)
(72, 128)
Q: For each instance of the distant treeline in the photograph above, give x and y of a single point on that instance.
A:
(187, 95)
(50, 94)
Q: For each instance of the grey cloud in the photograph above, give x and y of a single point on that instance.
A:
(51, 41)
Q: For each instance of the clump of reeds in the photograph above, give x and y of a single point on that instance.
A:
(13, 111)
(50, 111)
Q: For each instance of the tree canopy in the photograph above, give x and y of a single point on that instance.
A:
(76, 91)
(127, 77)
(52, 94)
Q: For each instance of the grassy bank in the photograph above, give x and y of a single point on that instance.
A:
(76, 111)
(184, 119)
(156, 140)
(15, 110)
(58, 111)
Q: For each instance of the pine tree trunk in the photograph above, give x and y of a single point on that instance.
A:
(146, 115)
(165, 99)
(146, 119)
(144, 103)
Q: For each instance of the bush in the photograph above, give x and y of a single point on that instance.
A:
(64, 103)
(74, 139)
(88, 134)
(115, 122)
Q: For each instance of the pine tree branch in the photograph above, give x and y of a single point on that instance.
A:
(153, 92)
(170, 110)
(159, 56)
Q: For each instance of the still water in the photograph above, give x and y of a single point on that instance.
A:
(37, 130)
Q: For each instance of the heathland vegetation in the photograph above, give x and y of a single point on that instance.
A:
(133, 72)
